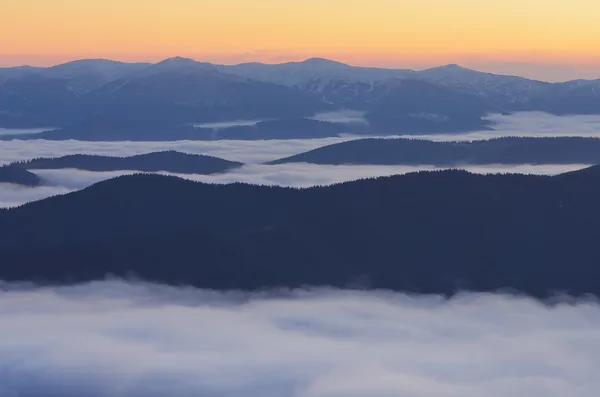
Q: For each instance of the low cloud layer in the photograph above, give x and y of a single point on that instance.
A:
(114, 338)
(292, 174)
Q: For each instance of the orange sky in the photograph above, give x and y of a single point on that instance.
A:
(562, 34)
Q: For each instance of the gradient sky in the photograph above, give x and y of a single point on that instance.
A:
(513, 36)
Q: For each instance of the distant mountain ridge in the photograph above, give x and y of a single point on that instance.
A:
(168, 94)
(340, 83)
(23, 172)
(511, 150)
(168, 161)
(97, 96)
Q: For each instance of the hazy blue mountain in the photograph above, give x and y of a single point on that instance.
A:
(342, 84)
(111, 69)
(501, 91)
(356, 87)
(326, 77)
(18, 176)
(33, 100)
(167, 95)
(55, 96)
(576, 97)
(563, 150)
(102, 99)
(170, 161)
(103, 70)
(405, 106)
(430, 232)
(183, 91)
(17, 72)
(89, 74)
(297, 74)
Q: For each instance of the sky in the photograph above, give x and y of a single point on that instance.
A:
(512, 36)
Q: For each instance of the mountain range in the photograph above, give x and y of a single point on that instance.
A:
(173, 93)
(91, 98)
(430, 232)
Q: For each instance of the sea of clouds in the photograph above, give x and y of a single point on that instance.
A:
(254, 153)
(133, 339)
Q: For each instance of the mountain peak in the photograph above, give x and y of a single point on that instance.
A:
(182, 65)
(89, 62)
(322, 62)
(453, 67)
(177, 61)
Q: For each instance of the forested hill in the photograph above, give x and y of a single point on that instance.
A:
(511, 150)
(427, 232)
(18, 176)
(170, 161)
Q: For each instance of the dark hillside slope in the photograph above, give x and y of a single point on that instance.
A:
(426, 232)
(18, 176)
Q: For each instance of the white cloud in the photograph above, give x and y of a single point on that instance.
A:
(114, 338)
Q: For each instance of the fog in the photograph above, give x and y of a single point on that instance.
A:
(292, 174)
(114, 338)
